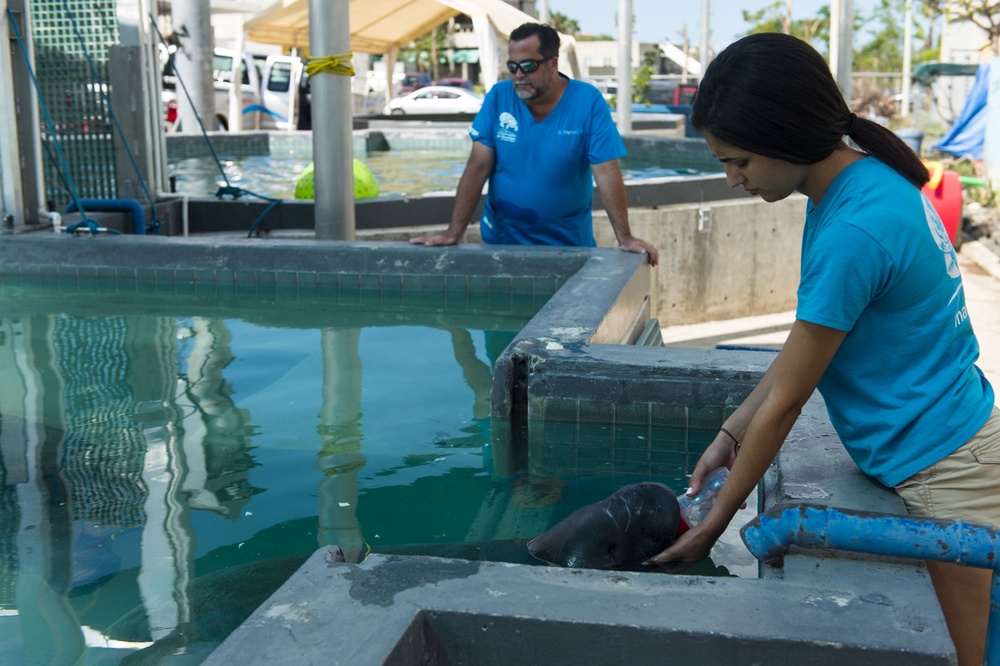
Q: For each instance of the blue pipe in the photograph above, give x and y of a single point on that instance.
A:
(769, 535)
(118, 205)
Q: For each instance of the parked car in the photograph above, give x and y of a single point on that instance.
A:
(414, 81)
(669, 93)
(456, 83)
(435, 100)
(269, 85)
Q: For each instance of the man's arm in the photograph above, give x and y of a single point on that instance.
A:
(470, 188)
(610, 184)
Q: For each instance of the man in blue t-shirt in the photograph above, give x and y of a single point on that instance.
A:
(542, 140)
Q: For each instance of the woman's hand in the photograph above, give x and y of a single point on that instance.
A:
(720, 453)
(692, 547)
(696, 544)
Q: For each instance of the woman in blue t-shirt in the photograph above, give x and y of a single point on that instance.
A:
(881, 327)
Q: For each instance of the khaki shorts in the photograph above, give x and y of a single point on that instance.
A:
(964, 485)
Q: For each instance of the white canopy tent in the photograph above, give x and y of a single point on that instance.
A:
(385, 26)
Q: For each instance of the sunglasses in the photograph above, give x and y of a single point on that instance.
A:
(526, 66)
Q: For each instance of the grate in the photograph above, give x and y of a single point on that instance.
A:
(74, 99)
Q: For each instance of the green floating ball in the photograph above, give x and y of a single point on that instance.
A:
(364, 182)
(304, 185)
(365, 186)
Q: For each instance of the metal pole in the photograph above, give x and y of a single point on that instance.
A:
(193, 61)
(543, 11)
(25, 171)
(907, 58)
(624, 111)
(330, 34)
(836, 9)
(12, 210)
(706, 35)
(842, 44)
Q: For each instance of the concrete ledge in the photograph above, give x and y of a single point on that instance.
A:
(417, 610)
(251, 254)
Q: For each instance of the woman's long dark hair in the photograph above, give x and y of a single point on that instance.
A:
(773, 94)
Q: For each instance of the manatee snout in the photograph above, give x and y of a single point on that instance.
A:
(621, 531)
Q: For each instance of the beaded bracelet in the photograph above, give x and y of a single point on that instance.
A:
(736, 442)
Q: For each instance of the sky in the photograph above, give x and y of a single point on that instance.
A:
(664, 20)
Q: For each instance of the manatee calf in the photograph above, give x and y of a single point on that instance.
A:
(622, 531)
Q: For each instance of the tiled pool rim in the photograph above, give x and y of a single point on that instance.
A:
(572, 350)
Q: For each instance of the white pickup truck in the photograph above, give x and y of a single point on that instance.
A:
(271, 89)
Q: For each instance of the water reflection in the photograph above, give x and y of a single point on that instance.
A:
(119, 434)
(104, 439)
(126, 459)
(340, 433)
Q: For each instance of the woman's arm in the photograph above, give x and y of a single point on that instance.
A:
(769, 413)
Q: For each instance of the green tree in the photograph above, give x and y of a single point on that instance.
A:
(564, 24)
(775, 18)
(883, 52)
(641, 79)
(933, 12)
(983, 13)
(883, 48)
(427, 52)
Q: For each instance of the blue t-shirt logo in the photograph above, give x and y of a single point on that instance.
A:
(507, 127)
(941, 238)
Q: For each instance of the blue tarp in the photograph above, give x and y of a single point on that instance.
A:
(968, 135)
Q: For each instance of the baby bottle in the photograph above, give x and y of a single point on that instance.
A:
(695, 507)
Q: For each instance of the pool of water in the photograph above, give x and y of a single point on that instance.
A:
(158, 453)
(409, 173)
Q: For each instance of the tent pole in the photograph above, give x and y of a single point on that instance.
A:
(333, 122)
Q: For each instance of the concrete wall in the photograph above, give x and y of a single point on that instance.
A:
(740, 260)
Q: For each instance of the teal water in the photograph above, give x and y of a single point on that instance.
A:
(168, 460)
(409, 173)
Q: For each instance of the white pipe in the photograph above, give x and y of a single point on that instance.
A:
(842, 44)
(55, 218)
(706, 35)
(236, 89)
(155, 83)
(907, 58)
(624, 111)
(34, 115)
(11, 199)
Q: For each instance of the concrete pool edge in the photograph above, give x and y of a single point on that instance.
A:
(559, 346)
(414, 610)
